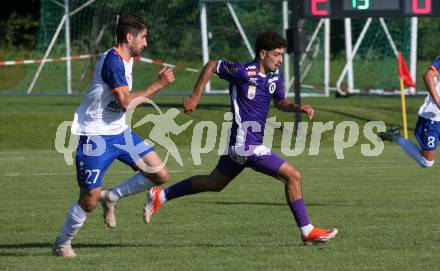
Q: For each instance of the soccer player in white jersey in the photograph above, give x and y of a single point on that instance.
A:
(427, 129)
(105, 136)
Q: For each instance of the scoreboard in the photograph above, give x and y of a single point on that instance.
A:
(368, 8)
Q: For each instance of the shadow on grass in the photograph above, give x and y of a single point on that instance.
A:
(21, 249)
(282, 204)
(239, 203)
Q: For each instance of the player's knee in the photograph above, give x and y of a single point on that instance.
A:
(159, 177)
(89, 199)
(218, 183)
(163, 176)
(218, 187)
(87, 205)
(294, 176)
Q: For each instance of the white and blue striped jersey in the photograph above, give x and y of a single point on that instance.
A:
(99, 113)
(429, 109)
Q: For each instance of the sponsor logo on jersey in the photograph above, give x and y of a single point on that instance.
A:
(252, 73)
(272, 87)
(253, 80)
(251, 92)
(113, 106)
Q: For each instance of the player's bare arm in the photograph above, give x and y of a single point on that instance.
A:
(286, 105)
(164, 77)
(429, 79)
(190, 103)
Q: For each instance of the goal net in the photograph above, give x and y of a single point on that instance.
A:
(175, 37)
(185, 34)
(374, 47)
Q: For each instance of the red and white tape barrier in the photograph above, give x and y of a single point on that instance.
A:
(33, 61)
(158, 62)
(59, 59)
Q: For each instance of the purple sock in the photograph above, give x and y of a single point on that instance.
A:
(180, 189)
(299, 212)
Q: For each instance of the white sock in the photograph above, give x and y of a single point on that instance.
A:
(162, 196)
(112, 196)
(136, 184)
(413, 151)
(306, 230)
(75, 218)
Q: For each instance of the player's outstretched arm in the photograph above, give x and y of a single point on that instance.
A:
(286, 105)
(190, 103)
(164, 77)
(429, 79)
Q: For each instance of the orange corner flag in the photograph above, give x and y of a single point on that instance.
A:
(404, 73)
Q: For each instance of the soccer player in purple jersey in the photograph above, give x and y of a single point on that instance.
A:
(252, 86)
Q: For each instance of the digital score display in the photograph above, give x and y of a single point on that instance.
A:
(368, 8)
(351, 5)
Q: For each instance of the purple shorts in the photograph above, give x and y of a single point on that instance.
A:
(268, 164)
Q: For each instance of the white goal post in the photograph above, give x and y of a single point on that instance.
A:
(312, 48)
(352, 50)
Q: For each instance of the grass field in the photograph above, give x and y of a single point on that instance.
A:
(386, 208)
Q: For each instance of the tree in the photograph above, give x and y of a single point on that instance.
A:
(19, 23)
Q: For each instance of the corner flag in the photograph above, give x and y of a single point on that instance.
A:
(405, 80)
(404, 73)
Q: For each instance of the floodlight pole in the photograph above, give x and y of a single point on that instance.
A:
(296, 59)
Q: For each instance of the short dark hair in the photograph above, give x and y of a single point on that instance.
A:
(269, 41)
(129, 24)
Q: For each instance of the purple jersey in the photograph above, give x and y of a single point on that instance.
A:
(251, 93)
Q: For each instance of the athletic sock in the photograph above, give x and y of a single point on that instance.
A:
(300, 214)
(136, 184)
(162, 197)
(180, 189)
(75, 218)
(306, 230)
(112, 196)
(412, 150)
